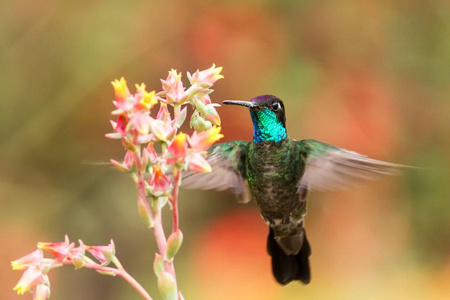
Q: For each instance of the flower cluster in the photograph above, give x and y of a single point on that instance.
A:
(140, 132)
(36, 266)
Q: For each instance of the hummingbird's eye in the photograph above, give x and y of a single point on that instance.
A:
(275, 106)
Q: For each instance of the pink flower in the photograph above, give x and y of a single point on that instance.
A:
(144, 99)
(120, 89)
(128, 162)
(27, 260)
(149, 154)
(30, 278)
(198, 163)
(59, 250)
(104, 254)
(203, 140)
(212, 115)
(206, 78)
(161, 130)
(122, 103)
(159, 180)
(163, 113)
(173, 88)
(141, 122)
(178, 148)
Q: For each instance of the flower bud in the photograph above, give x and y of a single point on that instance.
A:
(144, 212)
(212, 115)
(181, 117)
(106, 273)
(42, 292)
(201, 107)
(104, 254)
(173, 245)
(167, 286)
(158, 264)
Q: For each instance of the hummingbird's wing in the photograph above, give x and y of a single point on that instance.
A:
(332, 168)
(227, 162)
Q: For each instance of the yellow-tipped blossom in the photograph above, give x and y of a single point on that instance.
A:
(198, 163)
(60, 250)
(120, 89)
(123, 103)
(30, 278)
(145, 100)
(27, 260)
(178, 148)
(206, 78)
(203, 140)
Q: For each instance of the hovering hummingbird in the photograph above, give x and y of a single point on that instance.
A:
(277, 172)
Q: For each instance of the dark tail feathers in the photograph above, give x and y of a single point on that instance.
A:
(286, 268)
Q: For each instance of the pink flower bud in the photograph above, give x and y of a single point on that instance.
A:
(30, 278)
(27, 260)
(104, 254)
(181, 117)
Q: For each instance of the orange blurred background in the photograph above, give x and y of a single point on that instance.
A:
(369, 76)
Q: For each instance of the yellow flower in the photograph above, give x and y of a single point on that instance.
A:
(120, 89)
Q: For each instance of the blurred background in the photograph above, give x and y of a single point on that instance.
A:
(370, 76)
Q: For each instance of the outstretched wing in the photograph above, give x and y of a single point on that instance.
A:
(332, 168)
(227, 162)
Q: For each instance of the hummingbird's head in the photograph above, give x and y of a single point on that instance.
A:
(269, 119)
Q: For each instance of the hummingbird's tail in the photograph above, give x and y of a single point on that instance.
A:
(287, 268)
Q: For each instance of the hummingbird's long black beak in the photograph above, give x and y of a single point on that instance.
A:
(241, 103)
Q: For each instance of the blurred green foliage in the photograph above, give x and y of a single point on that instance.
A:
(368, 76)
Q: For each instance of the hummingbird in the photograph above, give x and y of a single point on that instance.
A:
(277, 172)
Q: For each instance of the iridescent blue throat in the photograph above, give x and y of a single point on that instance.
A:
(267, 127)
